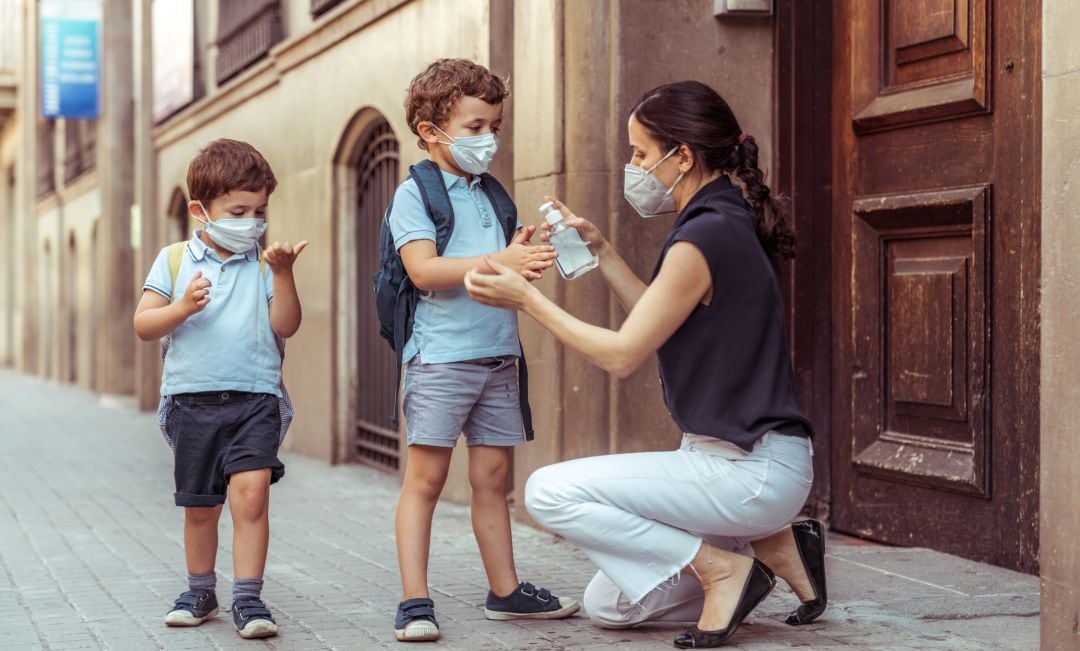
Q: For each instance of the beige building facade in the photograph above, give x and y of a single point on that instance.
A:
(317, 86)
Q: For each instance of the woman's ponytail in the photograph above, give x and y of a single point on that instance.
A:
(770, 214)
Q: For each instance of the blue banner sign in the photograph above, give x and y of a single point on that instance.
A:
(70, 58)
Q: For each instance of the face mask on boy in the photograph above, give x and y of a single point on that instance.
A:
(646, 193)
(236, 234)
(472, 154)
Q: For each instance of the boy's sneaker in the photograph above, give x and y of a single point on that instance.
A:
(192, 608)
(415, 621)
(253, 619)
(529, 602)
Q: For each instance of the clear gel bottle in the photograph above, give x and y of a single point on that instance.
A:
(575, 259)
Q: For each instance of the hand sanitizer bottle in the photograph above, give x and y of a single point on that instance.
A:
(575, 259)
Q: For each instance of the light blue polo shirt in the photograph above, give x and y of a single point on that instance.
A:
(229, 345)
(449, 326)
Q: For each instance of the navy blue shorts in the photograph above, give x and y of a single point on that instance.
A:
(219, 434)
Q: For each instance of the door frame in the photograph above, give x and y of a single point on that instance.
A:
(803, 45)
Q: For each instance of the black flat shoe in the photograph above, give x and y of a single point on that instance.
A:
(810, 541)
(759, 583)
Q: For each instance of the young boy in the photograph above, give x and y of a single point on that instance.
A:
(461, 374)
(223, 307)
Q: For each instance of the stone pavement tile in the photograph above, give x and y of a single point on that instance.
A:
(94, 559)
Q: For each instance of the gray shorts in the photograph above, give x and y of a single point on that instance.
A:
(478, 398)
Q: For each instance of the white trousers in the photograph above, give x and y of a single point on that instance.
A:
(641, 517)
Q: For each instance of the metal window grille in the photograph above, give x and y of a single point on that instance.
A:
(247, 29)
(377, 442)
(46, 180)
(80, 148)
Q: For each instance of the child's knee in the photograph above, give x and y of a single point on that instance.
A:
(425, 485)
(202, 515)
(248, 494)
(491, 478)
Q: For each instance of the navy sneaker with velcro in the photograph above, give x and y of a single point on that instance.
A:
(529, 602)
(415, 621)
(192, 608)
(253, 619)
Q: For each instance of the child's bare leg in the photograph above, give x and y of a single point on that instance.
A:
(249, 500)
(489, 467)
(425, 475)
(201, 538)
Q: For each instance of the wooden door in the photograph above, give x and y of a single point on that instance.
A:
(935, 275)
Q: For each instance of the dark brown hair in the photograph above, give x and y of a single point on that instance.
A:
(225, 166)
(434, 92)
(693, 114)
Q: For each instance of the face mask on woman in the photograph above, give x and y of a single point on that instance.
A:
(472, 154)
(646, 193)
(236, 234)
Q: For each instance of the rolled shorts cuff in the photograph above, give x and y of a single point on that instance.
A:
(277, 469)
(190, 499)
(498, 441)
(433, 441)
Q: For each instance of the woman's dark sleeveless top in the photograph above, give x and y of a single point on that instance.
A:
(726, 371)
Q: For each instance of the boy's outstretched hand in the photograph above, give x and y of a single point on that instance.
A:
(527, 259)
(281, 257)
(197, 294)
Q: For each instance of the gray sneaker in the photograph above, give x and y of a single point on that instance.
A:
(529, 602)
(253, 619)
(192, 608)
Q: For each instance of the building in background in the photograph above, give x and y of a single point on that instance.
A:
(925, 147)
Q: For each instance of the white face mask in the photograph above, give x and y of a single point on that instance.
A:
(472, 154)
(236, 234)
(646, 193)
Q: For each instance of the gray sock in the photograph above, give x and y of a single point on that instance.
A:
(247, 588)
(206, 581)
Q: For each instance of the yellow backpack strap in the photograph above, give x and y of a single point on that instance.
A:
(175, 254)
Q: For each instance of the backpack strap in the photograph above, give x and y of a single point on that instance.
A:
(505, 210)
(174, 255)
(429, 180)
(507, 214)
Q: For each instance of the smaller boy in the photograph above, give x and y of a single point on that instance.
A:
(461, 374)
(222, 307)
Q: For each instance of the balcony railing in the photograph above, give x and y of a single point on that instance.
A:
(247, 29)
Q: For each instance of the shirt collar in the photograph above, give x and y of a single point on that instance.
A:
(198, 249)
(453, 179)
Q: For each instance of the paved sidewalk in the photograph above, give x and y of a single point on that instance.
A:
(90, 557)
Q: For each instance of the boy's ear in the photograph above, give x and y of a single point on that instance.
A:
(195, 208)
(428, 133)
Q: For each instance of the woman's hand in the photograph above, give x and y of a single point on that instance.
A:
(586, 229)
(497, 285)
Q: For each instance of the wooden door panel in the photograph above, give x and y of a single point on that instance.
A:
(918, 299)
(935, 275)
(918, 61)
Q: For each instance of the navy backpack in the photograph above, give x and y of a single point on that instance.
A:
(396, 296)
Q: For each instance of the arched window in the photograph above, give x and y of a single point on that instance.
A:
(176, 229)
(377, 442)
